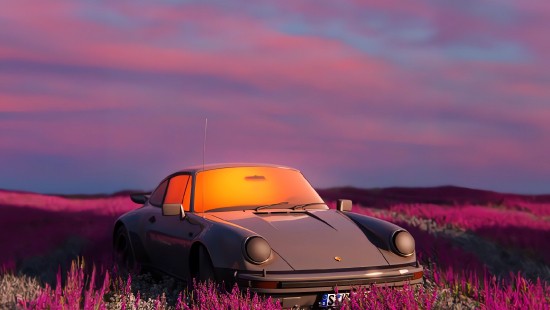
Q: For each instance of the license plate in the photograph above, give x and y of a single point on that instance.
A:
(329, 300)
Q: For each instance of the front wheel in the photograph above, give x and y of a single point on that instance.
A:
(205, 270)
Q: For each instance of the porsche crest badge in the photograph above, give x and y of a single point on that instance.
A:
(337, 258)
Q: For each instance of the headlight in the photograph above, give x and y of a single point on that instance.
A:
(257, 250)
(403, 243)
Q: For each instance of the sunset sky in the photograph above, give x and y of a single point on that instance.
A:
(99, 96)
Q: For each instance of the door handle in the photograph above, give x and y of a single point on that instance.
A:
(152, 219)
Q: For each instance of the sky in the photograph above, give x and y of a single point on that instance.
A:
(100, 96)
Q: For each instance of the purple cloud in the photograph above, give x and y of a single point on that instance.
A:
(367, 94)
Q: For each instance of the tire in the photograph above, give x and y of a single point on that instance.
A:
(205, 272)
(123, 254)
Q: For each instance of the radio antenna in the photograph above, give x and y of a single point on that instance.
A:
(204, 145)
(203, 156)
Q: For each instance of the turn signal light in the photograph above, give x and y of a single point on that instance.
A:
(265, 284)
(418, 275)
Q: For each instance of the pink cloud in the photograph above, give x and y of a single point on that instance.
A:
(80, 82)
(111, 48)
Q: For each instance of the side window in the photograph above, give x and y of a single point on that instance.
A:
(158, 195)
(179, 190)
(187, 196)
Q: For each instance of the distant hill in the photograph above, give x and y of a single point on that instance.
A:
(383, 197)
(447, 195)
(126, 192)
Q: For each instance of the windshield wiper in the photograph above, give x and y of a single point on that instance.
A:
(307, 205)
(271, 205)
(232, 208)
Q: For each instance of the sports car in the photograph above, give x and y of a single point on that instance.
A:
(264, 228)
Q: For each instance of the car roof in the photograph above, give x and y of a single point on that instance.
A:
(207, 167)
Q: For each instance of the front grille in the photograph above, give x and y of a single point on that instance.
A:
(350, 282)
(358, 269)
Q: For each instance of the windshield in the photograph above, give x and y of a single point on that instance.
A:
(251, 187)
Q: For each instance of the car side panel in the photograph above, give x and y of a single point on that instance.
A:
(169, 240)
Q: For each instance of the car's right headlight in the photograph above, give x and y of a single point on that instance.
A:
(257, 250)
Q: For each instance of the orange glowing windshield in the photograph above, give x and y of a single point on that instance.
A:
(251, 186)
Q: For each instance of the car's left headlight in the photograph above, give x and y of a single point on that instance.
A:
(257, 250)
(403, 243)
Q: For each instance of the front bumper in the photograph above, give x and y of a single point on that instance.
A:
(303, 288)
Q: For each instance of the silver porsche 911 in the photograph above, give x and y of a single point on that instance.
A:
(265, 228)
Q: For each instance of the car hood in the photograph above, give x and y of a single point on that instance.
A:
(310, 240)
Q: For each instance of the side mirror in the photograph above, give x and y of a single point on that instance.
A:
(343, 205)
(170, 209)
(139, 198)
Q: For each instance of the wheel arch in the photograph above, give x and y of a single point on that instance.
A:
(224, 243)
(136, 244)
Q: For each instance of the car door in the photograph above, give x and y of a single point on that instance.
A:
(170, 237)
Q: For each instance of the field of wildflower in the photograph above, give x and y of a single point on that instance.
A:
(479, 249)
